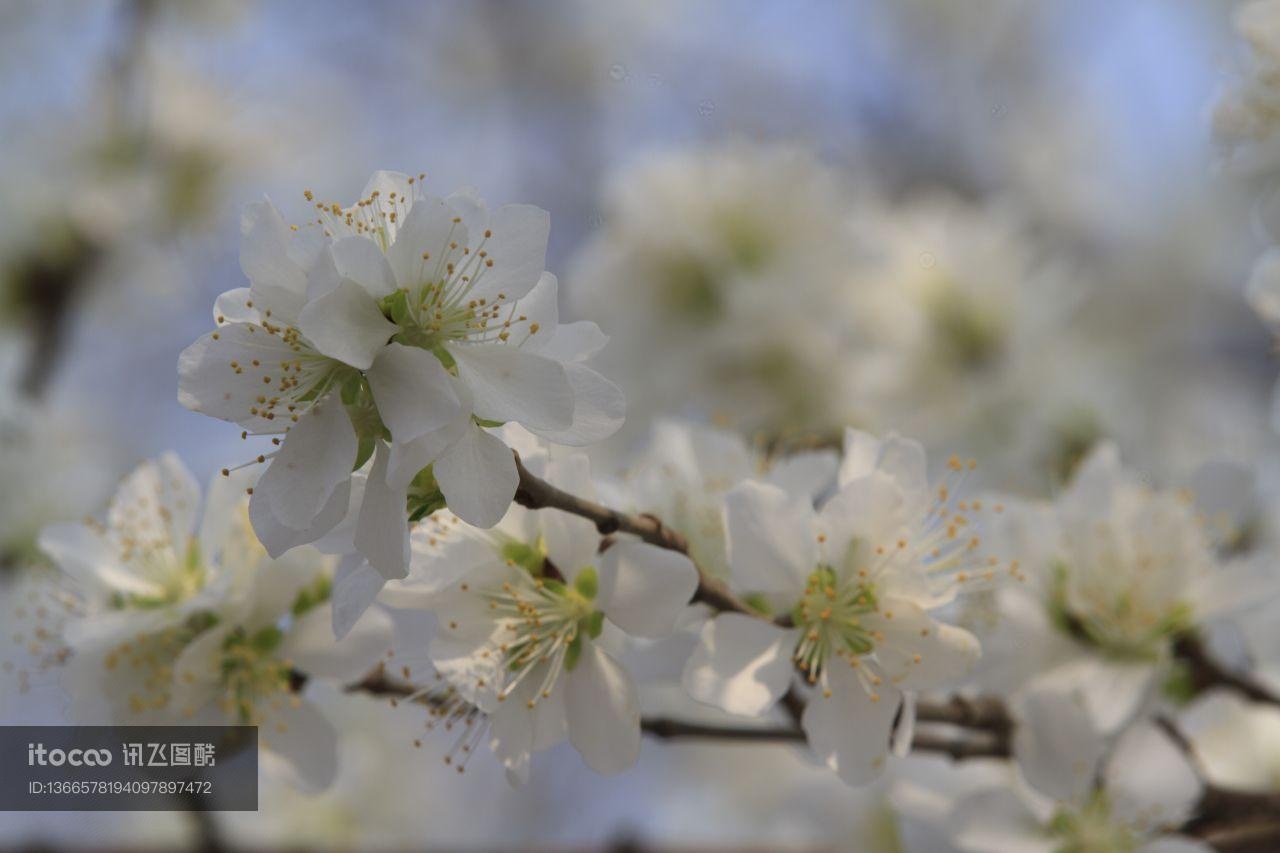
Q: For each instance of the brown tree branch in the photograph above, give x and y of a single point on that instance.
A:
(536, 493)
(1206, 672)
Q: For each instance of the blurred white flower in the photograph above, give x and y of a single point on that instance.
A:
(1236, 742)
(856, 581)
(1116, 574)
(1245, 115)
(243, 669)
(176, 614)
(721, 276)
(1076, 791)
(965, 328)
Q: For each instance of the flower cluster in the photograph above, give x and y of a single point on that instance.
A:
(419, 529)
(395, 332)
(179, 615)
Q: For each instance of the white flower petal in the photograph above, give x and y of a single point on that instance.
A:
(428, 228)
(1149, 779)
(197, 670)
(277, 538)
(356, 585)
(572, 341)
(518, 249)
(644, 588)
(848, 730)
(603, 712)
(508, 384)
(435, 563)
(346, 324)
(870, 508)
(311, 645)
(517, 731)
(478, 477)
(221, 375)
(918, 651)
(806, 474)
(276, 280)
(360, 260)
(314, 459)
(1112, 690)
(1263, 290)
(571, 541)
(300, 744)
(599, 408)
(382, 531)
(996, 820)
(1056, 744)
(741, 665)
(540, 307)
(412, 391)
(232, 307)
(88, 558)
(861, 452)
(771, 540)
(157, 504)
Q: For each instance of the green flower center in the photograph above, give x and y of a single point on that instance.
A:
(1120, 621)
(830, 616)
(251, 672)
(543, 622)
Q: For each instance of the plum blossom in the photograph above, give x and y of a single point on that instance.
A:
(734, 258)
(1116, 573)
(175, 614)
(400, 330)
(142, 582)
(527, 611)
(854, 584)
(1073, 790)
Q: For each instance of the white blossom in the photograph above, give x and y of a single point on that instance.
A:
(522, 636)
(1115, 572)
(855, 582)
(400, 328)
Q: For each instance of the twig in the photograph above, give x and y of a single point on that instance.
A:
(536, 493)
(1207, 673)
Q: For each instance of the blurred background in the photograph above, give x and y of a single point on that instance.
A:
(1001, 226)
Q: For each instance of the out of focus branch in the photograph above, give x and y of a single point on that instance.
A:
(1206, 672)
(536, 493)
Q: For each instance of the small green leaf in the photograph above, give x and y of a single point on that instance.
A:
(488, 424)
(594, 624)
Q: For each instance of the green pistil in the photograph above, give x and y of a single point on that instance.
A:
(250, 670)
(830, 618)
